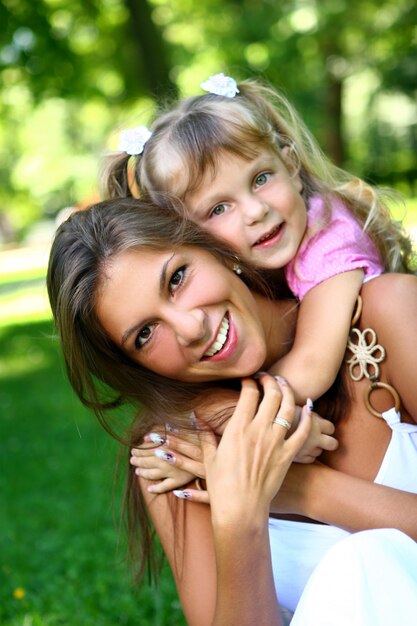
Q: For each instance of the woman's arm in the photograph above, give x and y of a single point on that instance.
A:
(220, 556)
(333, 497)
(185, 532)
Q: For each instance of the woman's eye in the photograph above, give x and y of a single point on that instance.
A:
(177, 279)
(261, 179)
(219, 210)
(143, 336)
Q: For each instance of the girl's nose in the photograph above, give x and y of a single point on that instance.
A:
(254, 210)
(190, 326)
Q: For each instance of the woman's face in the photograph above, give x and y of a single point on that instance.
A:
(182, 314)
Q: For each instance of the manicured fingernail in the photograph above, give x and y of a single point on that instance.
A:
(165, 456)
(281, 380)
(259, 374)
(193, 419)
(309, 405)
(184, 495)
(156, 438)
(171, 428)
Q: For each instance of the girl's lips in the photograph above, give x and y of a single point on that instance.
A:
(229, 345)
(271, 238)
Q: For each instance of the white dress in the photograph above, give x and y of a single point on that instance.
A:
(367, 579)
(298, 547)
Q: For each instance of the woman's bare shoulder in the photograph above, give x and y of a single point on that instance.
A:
(389, 307)
(388, 298)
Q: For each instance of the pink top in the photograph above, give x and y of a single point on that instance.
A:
(339, 246)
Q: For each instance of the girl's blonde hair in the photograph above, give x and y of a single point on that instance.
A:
(187, 141)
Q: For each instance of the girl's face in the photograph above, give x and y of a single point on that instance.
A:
(255, 206)
(182, 314)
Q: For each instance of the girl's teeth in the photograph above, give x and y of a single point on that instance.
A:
(269, 236)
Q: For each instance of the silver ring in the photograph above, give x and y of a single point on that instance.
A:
(282, 422)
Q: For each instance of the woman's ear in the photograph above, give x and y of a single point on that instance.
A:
(290, 159)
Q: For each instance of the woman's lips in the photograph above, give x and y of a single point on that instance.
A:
(271, 238)
(229, 345)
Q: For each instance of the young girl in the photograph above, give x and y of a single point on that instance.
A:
(249, 171)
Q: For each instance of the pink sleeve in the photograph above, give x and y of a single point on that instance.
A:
(341, 246)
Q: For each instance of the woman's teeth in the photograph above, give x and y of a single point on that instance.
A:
(220, 339)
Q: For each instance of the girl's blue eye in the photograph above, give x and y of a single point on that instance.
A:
(219, 210)
(177, 279)
(261, 179)
(143, 336)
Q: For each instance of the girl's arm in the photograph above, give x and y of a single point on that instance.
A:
(322, 330)
(220, 556)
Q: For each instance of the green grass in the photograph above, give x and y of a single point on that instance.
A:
(58, 517)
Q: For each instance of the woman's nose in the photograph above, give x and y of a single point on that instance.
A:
(190, 326)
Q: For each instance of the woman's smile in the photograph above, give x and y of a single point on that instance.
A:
(183, 315)
(225, 343)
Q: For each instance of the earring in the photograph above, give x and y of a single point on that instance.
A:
(237, 269)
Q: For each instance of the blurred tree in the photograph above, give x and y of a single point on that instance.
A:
(71, 72)
(66, 72)
(308, 48)
(109, 48)
(151, 50)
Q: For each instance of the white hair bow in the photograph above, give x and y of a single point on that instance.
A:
(133, 140)
(221, 85)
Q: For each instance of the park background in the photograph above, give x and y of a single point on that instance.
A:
(71, 76)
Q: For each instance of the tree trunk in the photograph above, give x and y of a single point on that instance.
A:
(333, 116)
(152, 52)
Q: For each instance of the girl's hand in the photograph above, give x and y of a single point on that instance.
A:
(175, 462)
(245, 470)
(319, 439)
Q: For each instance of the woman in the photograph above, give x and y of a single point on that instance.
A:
(139, 299)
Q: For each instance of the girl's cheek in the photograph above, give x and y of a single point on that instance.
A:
(227, 232)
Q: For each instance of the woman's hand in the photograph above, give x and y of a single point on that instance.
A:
(175, 462)
(244, 472)
(178, 459)
(253, 456)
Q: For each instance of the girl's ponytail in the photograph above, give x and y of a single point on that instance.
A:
(114, 176)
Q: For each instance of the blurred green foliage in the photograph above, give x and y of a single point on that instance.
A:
(71, 73)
